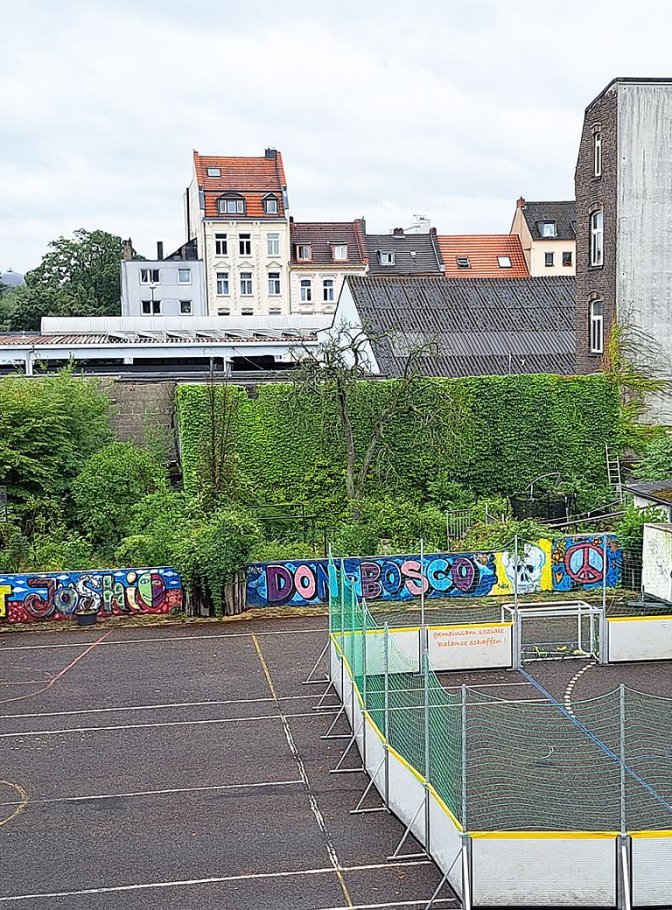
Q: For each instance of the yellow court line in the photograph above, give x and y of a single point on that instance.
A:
(663, 833)
(543, 835)
(400, 758)
(635, 618)
(375, 728)
(445, 808)
(17, 810)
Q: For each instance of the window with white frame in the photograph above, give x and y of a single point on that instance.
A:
(597, 238)
(149, 276)
(184, 276)
(221, 245)
(504, 262)
(547, 229)
(339, 252)
(386, 257)
(597, 153)
(245, 244)
(273, 244)
(463, 262)
(328, 285)
(306, 290)
(151, 307)
(247, 311)
(214, 172)
(304, 252)
(246, 284)
(274, 284)
(222, 284)
(185, 307)
(271, 205)
(231, 205)
(596, 327)
(223, 311)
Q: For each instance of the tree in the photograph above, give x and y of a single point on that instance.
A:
(77, 277)
(656, 462)
(108, 488)
(330, 375)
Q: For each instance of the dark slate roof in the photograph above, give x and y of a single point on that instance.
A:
(322, 234)
(415, 254)
(480, 326)
(563, 213)
(657, 491)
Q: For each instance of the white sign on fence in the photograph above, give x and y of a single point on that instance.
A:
(471, 646)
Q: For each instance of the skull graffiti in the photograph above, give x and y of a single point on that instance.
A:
(524, 570)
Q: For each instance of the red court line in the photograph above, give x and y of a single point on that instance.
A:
(61, 673)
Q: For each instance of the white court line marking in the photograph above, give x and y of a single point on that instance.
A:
(165, 723)
(133, 794)
(402, 904)
(177, 704)
(213, 880)
(570, 687)
(162, 640)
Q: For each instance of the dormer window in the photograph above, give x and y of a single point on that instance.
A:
(233, 204)
(271, 205)
(547, 229)
(463, 262)
(504, 262)
(304, 252)
(339, 252)
(386, 257)
(214, 172)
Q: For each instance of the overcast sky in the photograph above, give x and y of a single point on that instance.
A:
(449, 109)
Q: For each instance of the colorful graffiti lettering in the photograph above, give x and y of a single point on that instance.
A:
(565, 565)
(26, 598)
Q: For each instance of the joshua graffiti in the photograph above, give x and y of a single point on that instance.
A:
(566, 565)
(26, 598)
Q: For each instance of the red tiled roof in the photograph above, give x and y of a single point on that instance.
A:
(483, 251)
(253, 178)
(321, 235)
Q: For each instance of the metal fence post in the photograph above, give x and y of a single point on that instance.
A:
(621, 698)
(386, 711)
(427, 744)
(464, 758)
(422, 582)
(364, 685)
(604, 627)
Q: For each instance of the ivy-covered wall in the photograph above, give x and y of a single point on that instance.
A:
(492, 434)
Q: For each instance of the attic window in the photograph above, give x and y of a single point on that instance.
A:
(304, 252)
(271, 205)
(386, 257)
(504, 262)
(214, 172)
(339, 252)
(231, 205)
(547, 229)
(463, 262)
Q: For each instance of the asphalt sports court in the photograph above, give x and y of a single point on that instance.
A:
(182, 767)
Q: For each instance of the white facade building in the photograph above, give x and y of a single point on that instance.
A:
(163, 287)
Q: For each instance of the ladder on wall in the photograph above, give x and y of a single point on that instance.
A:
(614, 473)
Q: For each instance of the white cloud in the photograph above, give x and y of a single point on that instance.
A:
(386, 109)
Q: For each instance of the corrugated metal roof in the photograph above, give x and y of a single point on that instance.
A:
(152, 338)
(478, 326)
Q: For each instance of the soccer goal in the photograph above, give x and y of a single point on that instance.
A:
(556, 630)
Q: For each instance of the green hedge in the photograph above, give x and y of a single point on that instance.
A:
(495, 435)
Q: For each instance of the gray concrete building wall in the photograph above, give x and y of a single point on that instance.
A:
(644, 200)
(180, 290)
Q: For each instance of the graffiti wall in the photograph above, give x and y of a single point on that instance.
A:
(568, 564)
(57, 595)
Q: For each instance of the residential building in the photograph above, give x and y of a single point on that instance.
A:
(652, 494)
(400, 253)
(237, 211)
(547, 232)
(323, 253)
(174, 286)
(469, 327)
(624, 227)
(483, 256)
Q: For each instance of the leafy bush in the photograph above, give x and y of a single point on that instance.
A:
(501, 535)
(656, 461)
(630, 529)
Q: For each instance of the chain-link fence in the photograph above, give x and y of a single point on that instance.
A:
(604, 764)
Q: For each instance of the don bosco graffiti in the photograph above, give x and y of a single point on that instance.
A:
(57, 595)
(568, 564)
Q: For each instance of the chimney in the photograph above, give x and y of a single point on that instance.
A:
(159, 250)
(271, 153)
(398, 232)
(127, 249)
(432, 231)
(520, 204)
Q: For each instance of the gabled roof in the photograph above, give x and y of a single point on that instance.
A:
(252, 178)
(414, 254)
(563, 213)
(479, 326)
(322, 235)
(657, 491)
(483, 251)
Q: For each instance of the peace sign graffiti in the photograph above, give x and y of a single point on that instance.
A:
(584, 563)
